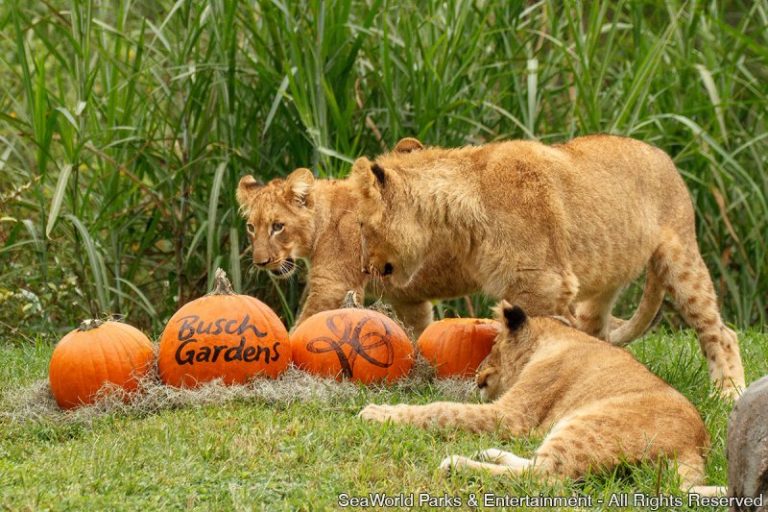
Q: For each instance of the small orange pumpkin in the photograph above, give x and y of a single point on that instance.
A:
(352, 343)
(222, 335)
(457, 346)
(94, 354)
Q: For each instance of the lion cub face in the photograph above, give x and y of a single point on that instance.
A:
(280, 220)
(499, 370)
(391, 236)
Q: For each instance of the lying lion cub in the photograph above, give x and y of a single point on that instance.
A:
(596, 404)
(559, 230)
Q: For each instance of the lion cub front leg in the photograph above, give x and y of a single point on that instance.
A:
(472, 417)
(327, 291)
(416, 315)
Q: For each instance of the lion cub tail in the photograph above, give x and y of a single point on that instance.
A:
(646, 315)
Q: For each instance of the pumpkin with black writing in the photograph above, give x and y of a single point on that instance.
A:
(222, 336)
(352, 343)
(95, 354)
(457, 346)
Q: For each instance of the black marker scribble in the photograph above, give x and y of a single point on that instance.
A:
(347, 335)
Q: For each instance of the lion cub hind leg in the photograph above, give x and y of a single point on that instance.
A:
(686, 278)
(593, 315)
(690, 467)
(543, 292)
(496, 456)
(625, 428)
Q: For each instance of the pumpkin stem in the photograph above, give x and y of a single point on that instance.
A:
(89, 324)
(351, 301)
(221, 285)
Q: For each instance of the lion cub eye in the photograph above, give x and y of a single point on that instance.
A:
(251, 228)
(277, 227)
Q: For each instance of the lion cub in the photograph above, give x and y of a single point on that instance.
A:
(596, 404)
(558, 230)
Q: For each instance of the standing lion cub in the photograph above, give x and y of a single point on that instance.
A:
(316, 220)
(596, 405)
(559, 230)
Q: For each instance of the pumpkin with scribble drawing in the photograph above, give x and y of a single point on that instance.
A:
(351, 343)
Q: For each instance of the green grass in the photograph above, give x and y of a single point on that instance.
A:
(253, 455)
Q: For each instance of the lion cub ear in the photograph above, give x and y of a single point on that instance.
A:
(408, 145)
(513, 317)
(247, 186)
(370, 177)
(298, 186)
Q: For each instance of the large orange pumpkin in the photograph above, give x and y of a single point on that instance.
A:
(457, 346)
(357, 344)
(222, 335)
(94, 354)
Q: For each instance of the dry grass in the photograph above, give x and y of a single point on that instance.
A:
(35, 403)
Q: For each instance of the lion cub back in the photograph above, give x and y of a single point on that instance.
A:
(588, 371)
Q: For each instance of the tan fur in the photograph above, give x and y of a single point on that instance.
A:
(557, 229)
(320, 225)
(323, 230)
(595, 405)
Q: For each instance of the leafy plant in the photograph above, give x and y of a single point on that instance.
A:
(124, 126)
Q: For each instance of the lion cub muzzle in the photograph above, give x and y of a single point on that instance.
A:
(281, 268)
(386, 270)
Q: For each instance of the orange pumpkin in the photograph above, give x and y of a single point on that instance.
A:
(357, 344)
(222, 335)
(94, 354)
(457, 346)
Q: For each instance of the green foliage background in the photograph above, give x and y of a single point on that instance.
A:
(125, 126)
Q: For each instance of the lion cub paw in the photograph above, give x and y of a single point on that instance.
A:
(493, 455)
(450, 463)
(381, 413)
(496, 456)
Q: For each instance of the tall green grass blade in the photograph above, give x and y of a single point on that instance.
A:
(234, 259)
(213, 209)
(709, 85)
(96, 264)
(58, 198)
(276, 103)
(140, 299)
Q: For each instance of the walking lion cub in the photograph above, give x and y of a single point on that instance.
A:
(301, 217)
(596, 405)
(558, 230)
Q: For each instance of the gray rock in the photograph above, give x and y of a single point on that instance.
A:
(748, 446)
